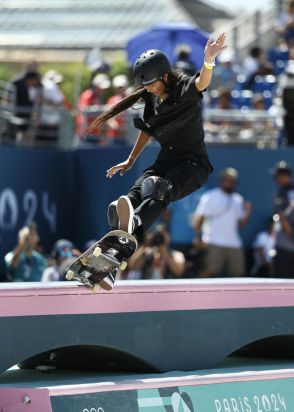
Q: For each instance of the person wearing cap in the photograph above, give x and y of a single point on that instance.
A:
(282, 174)
(173, 117)
(117, 126)
(283, 263)
(91, 99)
(52, 102)
(184, 63)
(63, 254)
(218, 217)
(226, 72)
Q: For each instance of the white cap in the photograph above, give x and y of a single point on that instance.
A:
(102, 81)
(53, 75)
(226, 56)
(120, 80)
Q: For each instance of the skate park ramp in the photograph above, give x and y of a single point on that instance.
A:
(148, 345)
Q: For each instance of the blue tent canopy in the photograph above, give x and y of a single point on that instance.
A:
(167, 37)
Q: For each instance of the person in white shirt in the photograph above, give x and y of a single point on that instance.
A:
(218, 217)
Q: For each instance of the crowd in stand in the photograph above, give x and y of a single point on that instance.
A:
(262, 82)
(198, 236)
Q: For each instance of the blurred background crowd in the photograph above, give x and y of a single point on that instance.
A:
(60, 69)
(197, 236)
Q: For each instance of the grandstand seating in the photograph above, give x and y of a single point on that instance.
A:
(90, 23)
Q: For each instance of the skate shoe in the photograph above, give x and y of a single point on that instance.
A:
(125, 214)
(108, 282)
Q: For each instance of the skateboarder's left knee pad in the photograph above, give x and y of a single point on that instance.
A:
(154, 187)
(112, 215)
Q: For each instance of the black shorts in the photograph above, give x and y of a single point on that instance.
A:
(185, 176)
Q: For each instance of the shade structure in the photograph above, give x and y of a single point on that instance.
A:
(167, 37)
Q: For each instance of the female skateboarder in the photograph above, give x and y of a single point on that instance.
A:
(172, 116)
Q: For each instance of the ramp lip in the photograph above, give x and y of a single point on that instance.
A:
(190, 380)
(150, 285)
(144, 296)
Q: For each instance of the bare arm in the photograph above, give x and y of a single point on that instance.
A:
(139, 145)
(247, 214)
(286, 225)
(212, 50)
(198, 223)
(138, 259)
(175, 261)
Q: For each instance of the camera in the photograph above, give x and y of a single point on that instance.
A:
(158, 237)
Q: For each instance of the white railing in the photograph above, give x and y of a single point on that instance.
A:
(249, 29)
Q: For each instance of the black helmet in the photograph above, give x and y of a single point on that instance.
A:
(150, 66)
(282, 167)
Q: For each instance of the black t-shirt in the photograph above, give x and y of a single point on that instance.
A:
(176, 123)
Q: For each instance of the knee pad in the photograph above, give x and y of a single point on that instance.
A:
(154, 187)
(112, 215)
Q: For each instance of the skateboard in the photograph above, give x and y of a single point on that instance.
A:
(106, 255)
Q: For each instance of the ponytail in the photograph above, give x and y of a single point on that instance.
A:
(119, 107)
(130, 100)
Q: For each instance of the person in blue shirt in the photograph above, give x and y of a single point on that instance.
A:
(24, 263)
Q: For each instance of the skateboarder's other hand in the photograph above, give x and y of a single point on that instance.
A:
(123, 167)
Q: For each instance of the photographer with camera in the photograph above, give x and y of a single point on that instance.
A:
(154, 260)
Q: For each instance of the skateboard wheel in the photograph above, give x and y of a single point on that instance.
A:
(97, 251)
(123, 265)
(69, 275)
(96, 288)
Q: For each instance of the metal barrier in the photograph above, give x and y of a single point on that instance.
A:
(24, 126)
(252, 28)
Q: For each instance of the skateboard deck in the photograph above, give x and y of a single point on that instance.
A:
(107, 254)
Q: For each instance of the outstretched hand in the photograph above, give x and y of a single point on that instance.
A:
(214, 47)
(123, 167)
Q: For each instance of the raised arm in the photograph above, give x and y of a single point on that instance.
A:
(211, 51)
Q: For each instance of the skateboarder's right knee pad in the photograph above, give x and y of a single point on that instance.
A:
(155, 187)
(112, 215)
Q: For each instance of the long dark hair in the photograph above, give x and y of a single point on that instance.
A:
(129, 101)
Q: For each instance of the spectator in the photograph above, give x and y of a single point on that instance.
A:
(220, 213)
(184, 63)
(286, 90)
(264, 251)
(52, 104)
(91, 99)
(255, 64)
(179, 218)
(285, 23)
(57, 78)
(225, 73)
(259, 126)
(63, 254)
(282, 174)
(23, 93)
(284, 258)
(225, 100)
(284, 217)
(117, 126)
(154, 260)
(24, 263)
